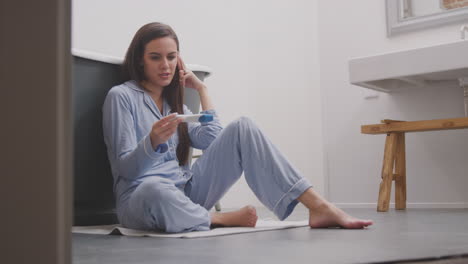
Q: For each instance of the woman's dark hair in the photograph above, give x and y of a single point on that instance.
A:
(173, 93)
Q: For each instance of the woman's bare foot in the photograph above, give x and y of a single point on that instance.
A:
(324, 214)
(245, 217)
(327, 215)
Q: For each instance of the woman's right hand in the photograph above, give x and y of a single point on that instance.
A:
(163, 129)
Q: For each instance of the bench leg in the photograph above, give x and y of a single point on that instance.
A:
(387, 172)
(400, 171)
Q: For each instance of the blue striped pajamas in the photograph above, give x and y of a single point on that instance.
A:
(154, 193)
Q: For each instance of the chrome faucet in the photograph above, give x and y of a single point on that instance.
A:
(463, 29)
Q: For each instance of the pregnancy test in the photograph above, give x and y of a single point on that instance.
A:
(196, 118)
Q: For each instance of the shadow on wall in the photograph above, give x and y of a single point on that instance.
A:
(434, 101)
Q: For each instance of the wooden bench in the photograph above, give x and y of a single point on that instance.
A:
(394, 161)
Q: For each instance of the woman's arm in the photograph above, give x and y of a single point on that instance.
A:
(129, 158)
(205, 99)
(202, 134)
(189, 79)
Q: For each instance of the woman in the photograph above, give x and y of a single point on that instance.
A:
(148, 149)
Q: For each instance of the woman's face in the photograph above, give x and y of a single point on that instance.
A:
(160, 61)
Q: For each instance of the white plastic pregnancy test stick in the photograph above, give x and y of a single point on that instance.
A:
(196, 118)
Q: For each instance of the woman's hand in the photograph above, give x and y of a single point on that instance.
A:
(187, 78)
(163, 129)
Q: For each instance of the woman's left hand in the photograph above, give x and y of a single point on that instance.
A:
(187, 78)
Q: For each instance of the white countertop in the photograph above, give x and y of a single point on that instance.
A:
(414, 67)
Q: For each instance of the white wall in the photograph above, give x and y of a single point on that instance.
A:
(436, 161)
(266, 64)
(264, 55)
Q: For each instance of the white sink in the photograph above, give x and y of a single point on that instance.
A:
(415, 67)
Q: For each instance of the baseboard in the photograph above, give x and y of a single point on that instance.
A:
(408, 205)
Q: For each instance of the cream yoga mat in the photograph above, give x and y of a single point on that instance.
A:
(262, 225)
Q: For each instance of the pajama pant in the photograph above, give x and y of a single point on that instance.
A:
(157, 204)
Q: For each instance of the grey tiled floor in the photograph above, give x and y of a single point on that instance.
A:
(414, 233)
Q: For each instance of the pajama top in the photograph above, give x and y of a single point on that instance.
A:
(129, 113)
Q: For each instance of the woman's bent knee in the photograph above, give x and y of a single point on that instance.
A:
(158, 204)
(241, 123)
(243, 120)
